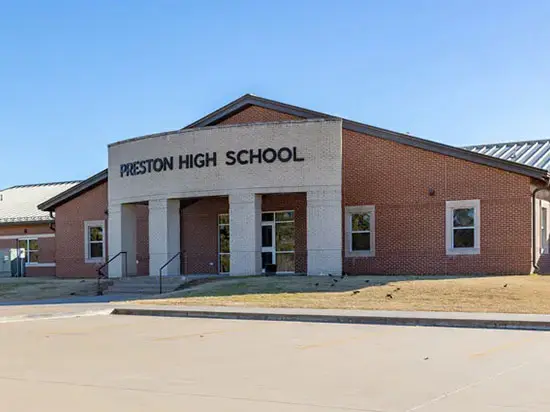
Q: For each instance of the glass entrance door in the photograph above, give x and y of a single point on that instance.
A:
(278, 240)
(268, 244)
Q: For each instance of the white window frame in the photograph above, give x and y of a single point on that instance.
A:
(87, 225)
(543, 243)
(274, 222)
(220, 253)
(450, 206)
(27, 250)
(357, 210)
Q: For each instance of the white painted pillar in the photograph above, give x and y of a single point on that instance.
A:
(324, 231)
(164, 236)
(245, 238)
(122, 238)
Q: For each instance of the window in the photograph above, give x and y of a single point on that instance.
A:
(462, 227)
(359, 231)
(544, 230)
(223, 243)
(94, 243)
(31, 249)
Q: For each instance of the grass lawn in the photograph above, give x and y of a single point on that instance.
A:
(44, 288)
(510, 294)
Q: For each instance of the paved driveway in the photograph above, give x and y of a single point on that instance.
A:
(118, 363)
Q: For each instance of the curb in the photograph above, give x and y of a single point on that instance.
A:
(346, 319)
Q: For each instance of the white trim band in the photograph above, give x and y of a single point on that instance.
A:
(27, 236)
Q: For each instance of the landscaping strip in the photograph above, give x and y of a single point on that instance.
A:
(441, 319)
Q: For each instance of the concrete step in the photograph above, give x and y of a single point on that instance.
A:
(146, 285)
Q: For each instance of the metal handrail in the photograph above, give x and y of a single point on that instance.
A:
(163, 266)
(101, 275)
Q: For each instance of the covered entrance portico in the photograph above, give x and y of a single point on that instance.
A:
(217, 162)
(236, 234)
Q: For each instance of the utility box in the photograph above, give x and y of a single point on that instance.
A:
(17, 258)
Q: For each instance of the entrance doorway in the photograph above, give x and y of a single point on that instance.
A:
(278, 240)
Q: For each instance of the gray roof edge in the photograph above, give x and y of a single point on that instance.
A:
(63, 197)
(249, 99)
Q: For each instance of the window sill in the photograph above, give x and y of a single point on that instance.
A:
(40, 265)
(360, 253)
(463, 251)
(100, 260)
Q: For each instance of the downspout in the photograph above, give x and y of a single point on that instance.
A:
(533, 203)
(52, 225)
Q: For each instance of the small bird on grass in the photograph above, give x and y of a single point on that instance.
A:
(389, 295)
(355, 292)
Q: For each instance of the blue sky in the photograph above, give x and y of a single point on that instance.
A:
(77, 75)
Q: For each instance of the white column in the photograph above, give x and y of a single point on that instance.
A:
(122, 238)
(164, 236)
(245, 214)
(324, 231)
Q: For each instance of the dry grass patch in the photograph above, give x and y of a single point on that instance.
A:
(44, 288)
(509, 294)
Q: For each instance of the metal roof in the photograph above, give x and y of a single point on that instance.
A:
(535, 153)
(19, 204)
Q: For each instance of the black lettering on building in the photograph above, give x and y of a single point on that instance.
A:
(212, 157)
(257, 156)
(184, 161)
(199, 160)
(239, 157)
(230, 158)
(158, 165)
(168, 163)
(123, 169)
(295, 155)
(142, 168)
(284, 154)
(269, 155)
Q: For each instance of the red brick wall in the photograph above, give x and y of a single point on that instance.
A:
(69, 223)
(410, 224)
(46, 246)
(69, 220)
(255, 114)
(199, 234)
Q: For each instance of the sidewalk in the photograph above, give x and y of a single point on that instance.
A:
(367, 317)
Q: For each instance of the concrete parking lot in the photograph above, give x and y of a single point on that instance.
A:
(123, 363)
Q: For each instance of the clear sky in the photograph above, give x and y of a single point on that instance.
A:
(77, 75)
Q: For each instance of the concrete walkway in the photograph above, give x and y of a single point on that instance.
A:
(443, 319)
